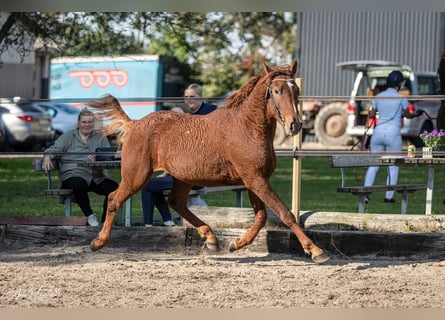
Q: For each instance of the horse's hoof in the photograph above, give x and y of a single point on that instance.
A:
(321, 258)
(212, 246)
(93, 246)
(232, 247)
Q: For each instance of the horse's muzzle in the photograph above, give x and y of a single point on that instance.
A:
(295, 127)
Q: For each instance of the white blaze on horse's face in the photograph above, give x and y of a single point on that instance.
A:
(284, 96)
(291, 85)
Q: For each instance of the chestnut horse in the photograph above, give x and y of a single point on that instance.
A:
(232, 145)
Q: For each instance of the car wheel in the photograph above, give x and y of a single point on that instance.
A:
(4, 147)
(330, 125)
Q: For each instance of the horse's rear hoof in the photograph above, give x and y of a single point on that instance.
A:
(93, 246)
(321, 258)
(232, 247)
(212, 246)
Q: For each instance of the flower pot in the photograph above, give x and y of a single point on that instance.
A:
(433, 152)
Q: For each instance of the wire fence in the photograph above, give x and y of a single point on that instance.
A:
(220, 99)
(286, 152)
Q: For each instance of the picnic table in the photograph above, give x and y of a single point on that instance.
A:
(430, 163)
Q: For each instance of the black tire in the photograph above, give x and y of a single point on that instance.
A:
(330, 125)
(4, 147)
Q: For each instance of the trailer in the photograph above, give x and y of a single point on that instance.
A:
(140, 82)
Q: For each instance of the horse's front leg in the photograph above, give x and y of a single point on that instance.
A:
(260, 221)
(263, 190)
(129, 185)
(105, 233)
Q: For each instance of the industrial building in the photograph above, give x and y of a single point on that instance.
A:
(326, 38)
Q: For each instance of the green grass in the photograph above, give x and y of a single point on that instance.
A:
(20, 190)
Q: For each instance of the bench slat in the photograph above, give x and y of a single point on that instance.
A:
(198, 192)
(57, 192)
(44, 220)
(65, 194)
(356, 161)
(377, 188)
(342, 162)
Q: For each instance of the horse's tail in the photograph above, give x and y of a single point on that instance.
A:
(109, 109)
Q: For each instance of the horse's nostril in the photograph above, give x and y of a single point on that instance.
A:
(295, 126)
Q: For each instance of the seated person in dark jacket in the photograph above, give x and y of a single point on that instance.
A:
(151, 194)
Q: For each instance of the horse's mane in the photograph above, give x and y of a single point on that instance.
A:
(242, 93)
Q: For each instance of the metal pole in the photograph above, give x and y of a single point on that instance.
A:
(296, 179)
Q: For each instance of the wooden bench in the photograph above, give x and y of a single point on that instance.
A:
(65, 195)
(199, 192)
(359, 161)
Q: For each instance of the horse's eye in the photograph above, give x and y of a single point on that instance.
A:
(277, 92)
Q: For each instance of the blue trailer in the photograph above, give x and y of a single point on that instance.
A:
(139, 82)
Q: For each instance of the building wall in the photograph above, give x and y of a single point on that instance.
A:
(326, 38)
(16, 80)
(16, 76)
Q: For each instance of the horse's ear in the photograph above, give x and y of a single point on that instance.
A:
(294, 67)
(266, 68)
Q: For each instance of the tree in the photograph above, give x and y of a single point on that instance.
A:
(21, 29)
(222, 49)
(225, 49)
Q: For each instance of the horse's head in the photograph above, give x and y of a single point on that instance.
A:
(282, 97)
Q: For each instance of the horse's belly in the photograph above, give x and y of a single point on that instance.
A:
(207, 174)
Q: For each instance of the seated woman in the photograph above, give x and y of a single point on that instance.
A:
(76, 145)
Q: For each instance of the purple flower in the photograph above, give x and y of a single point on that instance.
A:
(434, 138)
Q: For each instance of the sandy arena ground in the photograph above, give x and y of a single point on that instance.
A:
(73, 276)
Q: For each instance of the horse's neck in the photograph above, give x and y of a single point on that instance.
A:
(253, 107)
(254, 110)
(256, 107)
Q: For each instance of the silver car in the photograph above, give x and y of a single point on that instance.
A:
(63, 116)
(3, 142)
(27, 125)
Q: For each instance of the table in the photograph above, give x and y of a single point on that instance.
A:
(431, 163)
(114, 164)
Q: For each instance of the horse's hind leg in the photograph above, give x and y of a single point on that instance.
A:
(178, 201)
(260, 222)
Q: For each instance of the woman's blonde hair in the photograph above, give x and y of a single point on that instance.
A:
(195, 87)
(85, 112)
